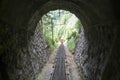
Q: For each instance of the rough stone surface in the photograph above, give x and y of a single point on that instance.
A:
(81, 53)
(34, 57)
(29, 60)
(93, 50)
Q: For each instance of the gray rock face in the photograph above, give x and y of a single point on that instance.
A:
(80, 53)
(93, 51)
(34, 57)
(14, 57)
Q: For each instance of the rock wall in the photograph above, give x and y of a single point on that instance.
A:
(93, 50)
(18, 62)
(112, 70)
(33, 58)
(81, 53)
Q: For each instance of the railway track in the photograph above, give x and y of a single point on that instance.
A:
(60, 69)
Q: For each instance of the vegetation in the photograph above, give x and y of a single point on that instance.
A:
(60, 24)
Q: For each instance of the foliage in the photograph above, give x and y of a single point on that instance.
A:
(71, 44)
(60, 24)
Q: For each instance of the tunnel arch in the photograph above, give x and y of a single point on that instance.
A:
(84, 12)
(91, 21)
(91, 35)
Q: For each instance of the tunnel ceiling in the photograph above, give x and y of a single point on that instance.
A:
(12, 11)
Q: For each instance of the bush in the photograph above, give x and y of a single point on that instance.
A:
(49, 43)
(71, 45)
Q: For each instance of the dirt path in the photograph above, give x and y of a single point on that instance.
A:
(71, 68)
(48, 68)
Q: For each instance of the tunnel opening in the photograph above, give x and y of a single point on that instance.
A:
(37, 47)
(94, 40)
(60, 26)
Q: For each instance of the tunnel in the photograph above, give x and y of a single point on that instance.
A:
(24, 52)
